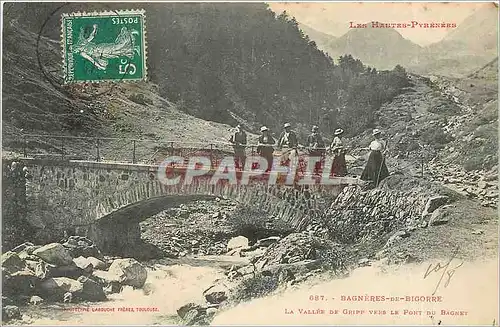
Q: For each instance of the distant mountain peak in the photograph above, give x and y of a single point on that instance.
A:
(372, 30)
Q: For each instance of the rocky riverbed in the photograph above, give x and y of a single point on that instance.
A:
(48, 284)
(71, 272)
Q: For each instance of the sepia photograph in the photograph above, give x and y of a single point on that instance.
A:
(249, 163)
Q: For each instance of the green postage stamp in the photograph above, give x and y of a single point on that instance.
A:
(104, 46)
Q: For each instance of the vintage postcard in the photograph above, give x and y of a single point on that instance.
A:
(250, 163)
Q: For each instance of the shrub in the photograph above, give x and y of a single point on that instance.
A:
(254, 287)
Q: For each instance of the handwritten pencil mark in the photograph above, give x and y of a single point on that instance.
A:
(446, 270)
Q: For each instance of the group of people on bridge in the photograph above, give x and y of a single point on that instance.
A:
(375, 169)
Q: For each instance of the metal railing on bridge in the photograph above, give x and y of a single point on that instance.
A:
(145, 151)
(135, 151)
(127, 150)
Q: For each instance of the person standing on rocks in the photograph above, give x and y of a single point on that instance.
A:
(339, 167)
(265, 147)
(239, 141)
(375, 169)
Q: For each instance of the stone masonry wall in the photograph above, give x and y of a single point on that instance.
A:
(73, 195)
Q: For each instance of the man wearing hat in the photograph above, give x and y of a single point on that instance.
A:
(239, 141)
(288, 138)
(316, 146)
(265, 147)
(339, 167)
(288, 141)
(315, 142)
(375, 169)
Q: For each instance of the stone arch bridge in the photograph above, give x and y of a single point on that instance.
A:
(105, 201)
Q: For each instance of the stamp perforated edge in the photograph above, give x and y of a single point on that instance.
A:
(120, 12)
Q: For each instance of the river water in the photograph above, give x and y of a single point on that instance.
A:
(169, 287)
(474, 289)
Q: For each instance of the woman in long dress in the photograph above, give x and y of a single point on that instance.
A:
(339, 167)
(375, 169)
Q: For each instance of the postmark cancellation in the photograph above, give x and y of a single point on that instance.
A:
(104, 46)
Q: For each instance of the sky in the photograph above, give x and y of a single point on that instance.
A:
(333, 18)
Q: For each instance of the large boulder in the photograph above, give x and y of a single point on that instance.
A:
(82, 246)
(109, 281)
(54, 253)
(433, 203)
(46, 270)
(441, 215)
(106, 276)
(96, 263)
(237, 242)
(92, 291)
(216, 294)
(90, 263)
(193, 314)
(58, 286)
(183, 310)
(21, 282)
(11, 262)
(130, 272)
(83, 264)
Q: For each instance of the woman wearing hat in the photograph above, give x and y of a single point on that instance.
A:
(265, 146)
(339, 167)
(375, 169)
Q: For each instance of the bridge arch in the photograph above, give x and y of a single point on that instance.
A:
(96, 198)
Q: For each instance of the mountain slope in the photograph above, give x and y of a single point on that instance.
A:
(487, 72)
(468, 47)
(323, 40)
(382, 48)
(477, 33)
(31, 104)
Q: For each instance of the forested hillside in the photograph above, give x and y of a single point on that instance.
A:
(233, 62)
(246, 60)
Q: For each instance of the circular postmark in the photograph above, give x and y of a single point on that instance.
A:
(97, 47)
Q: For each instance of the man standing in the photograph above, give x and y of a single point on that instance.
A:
(316, 146)
(315, 142)
(288, 142)
(239, 141)
(288, 138)
(265, 146)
